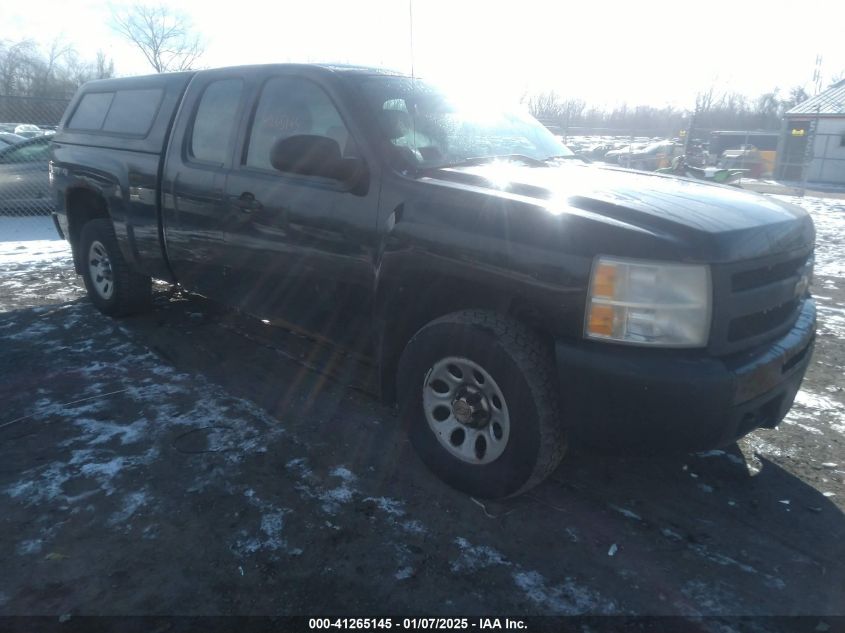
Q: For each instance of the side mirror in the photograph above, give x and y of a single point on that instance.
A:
(310, 155)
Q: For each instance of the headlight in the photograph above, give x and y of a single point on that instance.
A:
(648, 303)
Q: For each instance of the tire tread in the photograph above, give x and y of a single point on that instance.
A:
(133, 291)
(535, 360)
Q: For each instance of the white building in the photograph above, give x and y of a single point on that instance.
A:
(827, 161)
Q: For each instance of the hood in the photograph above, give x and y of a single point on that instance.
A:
(713, 222)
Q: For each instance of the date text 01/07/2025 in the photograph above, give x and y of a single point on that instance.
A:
(416, 623)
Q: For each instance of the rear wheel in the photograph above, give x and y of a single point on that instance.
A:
(112, 286)
(477, 392)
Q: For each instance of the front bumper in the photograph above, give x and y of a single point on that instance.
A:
(638, 397)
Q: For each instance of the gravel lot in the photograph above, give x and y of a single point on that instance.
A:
(195, 461)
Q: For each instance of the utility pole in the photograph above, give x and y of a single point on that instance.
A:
(810, 147)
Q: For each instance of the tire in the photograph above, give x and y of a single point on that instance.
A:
(112, 287)
(445, 415)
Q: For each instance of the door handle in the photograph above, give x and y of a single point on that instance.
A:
(247, 203)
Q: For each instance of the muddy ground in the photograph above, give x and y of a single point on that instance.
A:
(195, 461)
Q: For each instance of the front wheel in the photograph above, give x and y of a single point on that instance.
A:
(112, 286)
(477, 392)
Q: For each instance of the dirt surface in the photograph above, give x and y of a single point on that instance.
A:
(194, 461)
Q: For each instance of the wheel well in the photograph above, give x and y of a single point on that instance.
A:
(82, 206)
(393, 339)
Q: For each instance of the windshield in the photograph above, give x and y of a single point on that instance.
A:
(656, 147)
(423, 127)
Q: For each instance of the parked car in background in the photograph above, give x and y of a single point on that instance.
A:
(8, 138)
(24, 180)
(612, 156)
(28, 130)
(746, 157)
(653, 156)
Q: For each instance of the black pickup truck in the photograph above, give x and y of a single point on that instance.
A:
(510, 294)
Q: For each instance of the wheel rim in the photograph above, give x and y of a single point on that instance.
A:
(99, 267)
(466, 410)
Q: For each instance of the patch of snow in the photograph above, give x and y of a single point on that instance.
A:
(43, 487)
(475, 557)
(567, 598)
(95, 432)
(404, 573)
(336, 497)
(672, 534)
(33, 251)
(343, 473)
(106, 472)
(413, 526)
(272, 525)
(717, 453)
(390, 506)
(32, 546)
(708, 598)
(627, 513)
(814, 401)
(132, 502)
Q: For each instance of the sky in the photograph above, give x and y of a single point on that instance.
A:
(605, 52)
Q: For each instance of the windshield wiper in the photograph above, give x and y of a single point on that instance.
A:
(567, 157)
(480, 160)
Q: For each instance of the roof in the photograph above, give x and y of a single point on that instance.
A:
(362, 70)
(746, 132)
(159, 79)
(830, 101)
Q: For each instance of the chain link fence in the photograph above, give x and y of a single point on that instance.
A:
(639, 148)
(753, 152)
(26, 126)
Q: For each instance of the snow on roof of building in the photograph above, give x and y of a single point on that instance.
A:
(830, 101)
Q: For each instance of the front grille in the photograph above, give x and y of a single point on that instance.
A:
(757, 277)
(761, 322)
(757, 301)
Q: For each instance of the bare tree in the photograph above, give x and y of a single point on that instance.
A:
(57, 72)
(797, 95)
(105, 66)
(163, 35)
(551, 108)
(704, 100)
(17, 66)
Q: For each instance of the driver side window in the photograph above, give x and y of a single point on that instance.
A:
(290, 106)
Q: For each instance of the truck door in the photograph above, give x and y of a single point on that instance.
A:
(198, 158)
(301, 246)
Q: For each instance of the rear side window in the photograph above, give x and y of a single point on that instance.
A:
(122, 112)
(133, 111)
(214, 123)
(91, 111)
